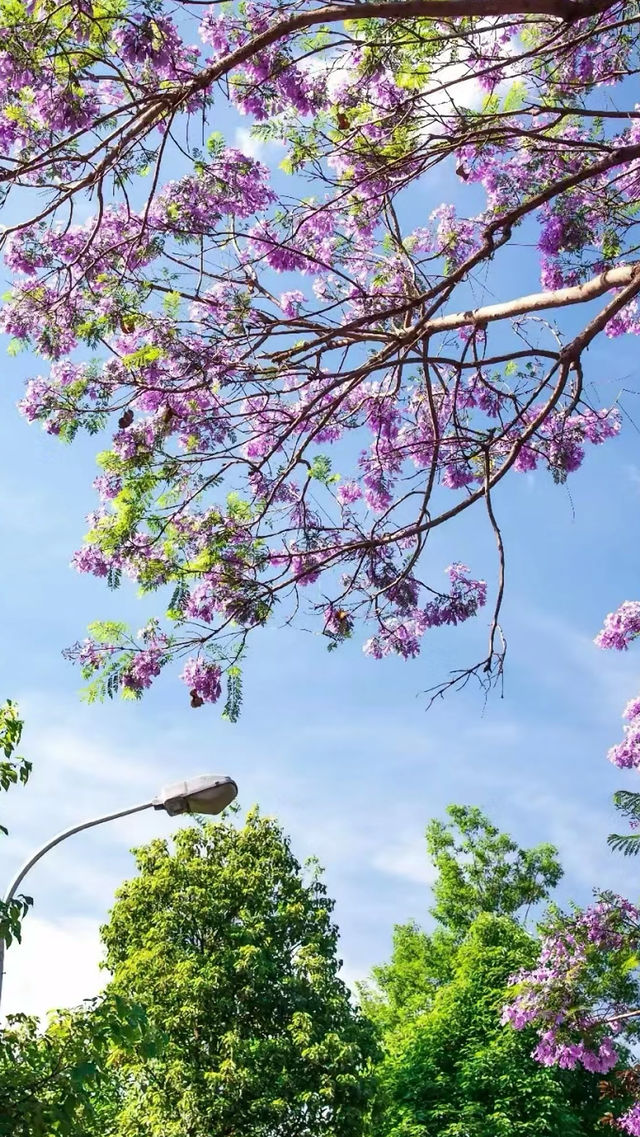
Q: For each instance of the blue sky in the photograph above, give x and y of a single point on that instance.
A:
(339, 746)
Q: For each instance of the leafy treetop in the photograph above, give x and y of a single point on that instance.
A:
(231, 950)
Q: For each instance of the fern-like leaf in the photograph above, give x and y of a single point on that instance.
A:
(626, 843)
(628, 803)
(234, 695)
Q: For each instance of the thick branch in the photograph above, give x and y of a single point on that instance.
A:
(623, 1015)
(402, 10)
(538, 301)
(568, 10)
(168, 101)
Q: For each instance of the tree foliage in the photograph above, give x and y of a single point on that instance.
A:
(61, 1080)
(582, 994)
(232, 952)
(481, 869)
(454, 1071)
(450, 1068)
(628, 803)
(477, 869)
(13, 769)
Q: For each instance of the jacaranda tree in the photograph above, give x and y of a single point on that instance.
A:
(308, 369)
(583, 997)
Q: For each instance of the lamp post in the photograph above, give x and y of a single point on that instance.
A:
(209, 793)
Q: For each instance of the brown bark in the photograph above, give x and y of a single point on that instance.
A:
(537, 301)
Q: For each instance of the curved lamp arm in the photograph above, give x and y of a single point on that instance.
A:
(207, 794)
(20, 875)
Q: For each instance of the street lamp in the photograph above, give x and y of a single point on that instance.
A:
(209, 793)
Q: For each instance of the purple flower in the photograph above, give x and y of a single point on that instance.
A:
(145, 666)
(632, 709)
(203, 678)
(91, 559)
(629, 1122)
(620, 627)
(552, 236)
(626, 754)
(92, 654)
(348, 492)
(290, 303)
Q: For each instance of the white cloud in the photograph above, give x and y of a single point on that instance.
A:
(602, 680)
(253, 147)
(454, 82)
(406, 858)
(56, 965)
(74, 753)
(244, 141)
(580, 833)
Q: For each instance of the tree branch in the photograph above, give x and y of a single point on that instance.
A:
(568, 10)
(538, 301)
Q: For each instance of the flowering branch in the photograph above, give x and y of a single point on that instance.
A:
(297, 387)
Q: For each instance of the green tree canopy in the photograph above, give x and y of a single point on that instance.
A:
(450, 1069)
(62, 1081)
(231, 949)
(454, 1071)
(481, 869)
(478, 869)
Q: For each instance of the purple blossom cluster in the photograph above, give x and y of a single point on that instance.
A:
(568, 1055)
(93, 655)
(620, 629)
(626, 754)
(297, 389)
(37, 101)
(231, 184)
(574, 1015)
(203, 677)
(92, 560)
(401, 635)
(629, 1122)
(290, 302)
(145, 666)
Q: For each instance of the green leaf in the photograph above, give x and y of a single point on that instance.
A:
(143, 356)
(233, 702)
(628, 844)
(215, 144)
(516, 97)
(171, 304)
(320, 469)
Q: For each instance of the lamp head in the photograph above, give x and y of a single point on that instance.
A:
(208, 793)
